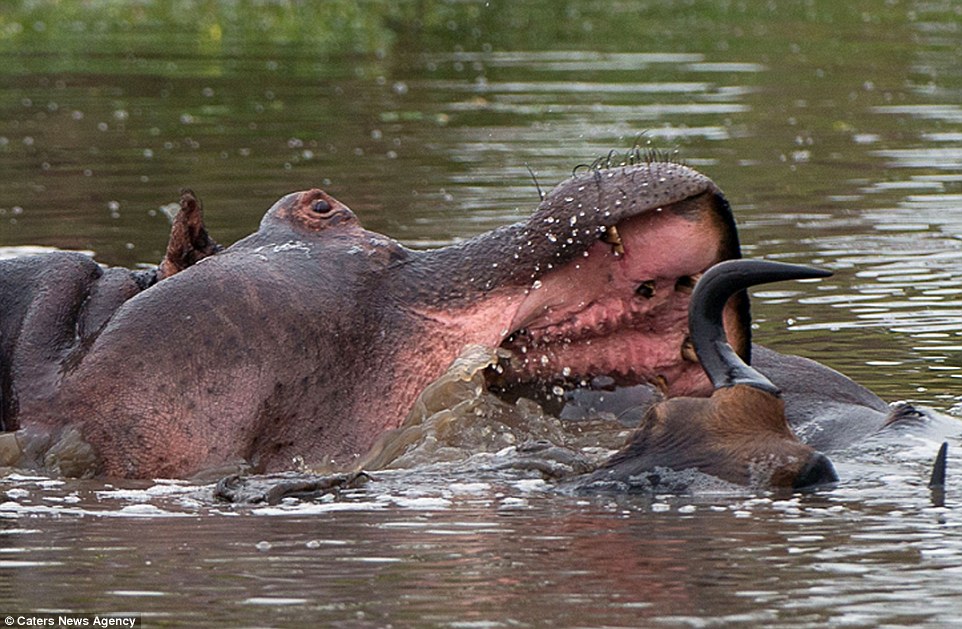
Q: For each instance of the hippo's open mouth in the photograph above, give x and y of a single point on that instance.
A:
(619, 308)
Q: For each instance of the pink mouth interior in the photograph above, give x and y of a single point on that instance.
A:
(618, 314)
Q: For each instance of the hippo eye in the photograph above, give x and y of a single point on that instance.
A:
(321, 206)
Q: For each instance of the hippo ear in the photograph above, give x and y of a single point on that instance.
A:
(189, 241)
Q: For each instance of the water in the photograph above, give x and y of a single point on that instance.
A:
(486, 551)
(834, 128)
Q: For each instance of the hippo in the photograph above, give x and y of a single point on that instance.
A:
(312, 336)
(308, 339)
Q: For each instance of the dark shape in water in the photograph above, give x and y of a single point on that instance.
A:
(937, 479)
(271, 489)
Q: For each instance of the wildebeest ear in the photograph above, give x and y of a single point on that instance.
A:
(903, 414)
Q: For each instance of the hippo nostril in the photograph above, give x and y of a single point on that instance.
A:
(685, 284)
(321, 206)
(818, 470)
(646, 290)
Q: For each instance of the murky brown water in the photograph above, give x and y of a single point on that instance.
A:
(835, 129)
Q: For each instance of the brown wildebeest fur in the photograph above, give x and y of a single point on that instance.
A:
(739, 434)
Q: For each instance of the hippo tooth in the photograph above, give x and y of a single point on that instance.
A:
(614, 239)
(688, 351)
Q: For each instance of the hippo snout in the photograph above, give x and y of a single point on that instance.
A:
(818, 470)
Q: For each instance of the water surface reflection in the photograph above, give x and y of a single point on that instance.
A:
(500, 551)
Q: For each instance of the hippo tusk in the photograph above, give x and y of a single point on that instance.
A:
(612, 237)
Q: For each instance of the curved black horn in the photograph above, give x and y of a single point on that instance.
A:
(705, 325)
